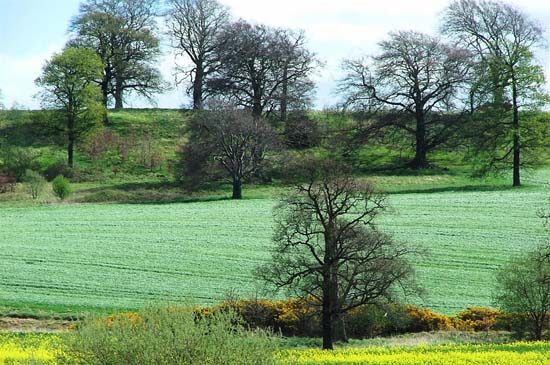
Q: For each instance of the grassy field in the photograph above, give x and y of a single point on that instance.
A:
(73, 257)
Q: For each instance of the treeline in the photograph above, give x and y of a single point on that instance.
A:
(476, 85)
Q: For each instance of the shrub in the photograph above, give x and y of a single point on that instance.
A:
(57, 168)
(35, 183)
(61, 187)
(369, 321)
(301, 132)
(479, 319)
(424, 320)
(15, 161)
(169, 336)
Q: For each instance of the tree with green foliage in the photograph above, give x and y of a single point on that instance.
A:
(122, 33)
(328, 249)
(70, 90)
(507, 82)
(523, 288)
(415, 75)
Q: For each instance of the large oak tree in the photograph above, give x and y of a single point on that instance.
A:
(415, 74)
(123, 34)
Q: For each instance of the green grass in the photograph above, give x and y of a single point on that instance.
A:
(69, 258)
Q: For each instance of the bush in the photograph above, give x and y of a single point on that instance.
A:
(61, 187)
(15, 161)
(479, 319)
(35, 183)
(169, 336)
(301, 132)
(424, 320)
(58, 168)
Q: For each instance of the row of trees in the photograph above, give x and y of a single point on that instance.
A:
(477, 81)
(256, 66)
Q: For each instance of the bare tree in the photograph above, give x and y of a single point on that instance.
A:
(328, 249)
(261, 66)
(194, 27)
(502, 38)
(233, 139)
(416, 74)
(122, 32)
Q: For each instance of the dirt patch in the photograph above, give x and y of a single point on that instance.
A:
(33, 325)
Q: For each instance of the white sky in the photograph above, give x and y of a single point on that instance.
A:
(335, 30)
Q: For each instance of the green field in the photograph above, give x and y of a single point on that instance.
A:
(88, 257)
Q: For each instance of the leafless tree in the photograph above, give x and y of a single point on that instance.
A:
(415, 73)
(261, 66)
(122, 32)
(194, 27)
(328, 249)
(502, 38)
(233, 139)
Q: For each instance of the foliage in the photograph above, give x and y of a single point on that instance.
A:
(506, 80)
(69, 89)
(35, 183)
(122, 34)
(262, 68)
(170, 336)
(524, 288)
(15, 161)
(61, 187)
(301, 132)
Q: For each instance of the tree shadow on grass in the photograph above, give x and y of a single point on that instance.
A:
(451, 189)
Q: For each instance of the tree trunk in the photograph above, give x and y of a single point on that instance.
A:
(119, 103)
(420, 159)
(71, 137)
(105, 98)
(70, 153)
(284, 96)
(237, 189)
(197, 89)
(517, 148)
(327, 322)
